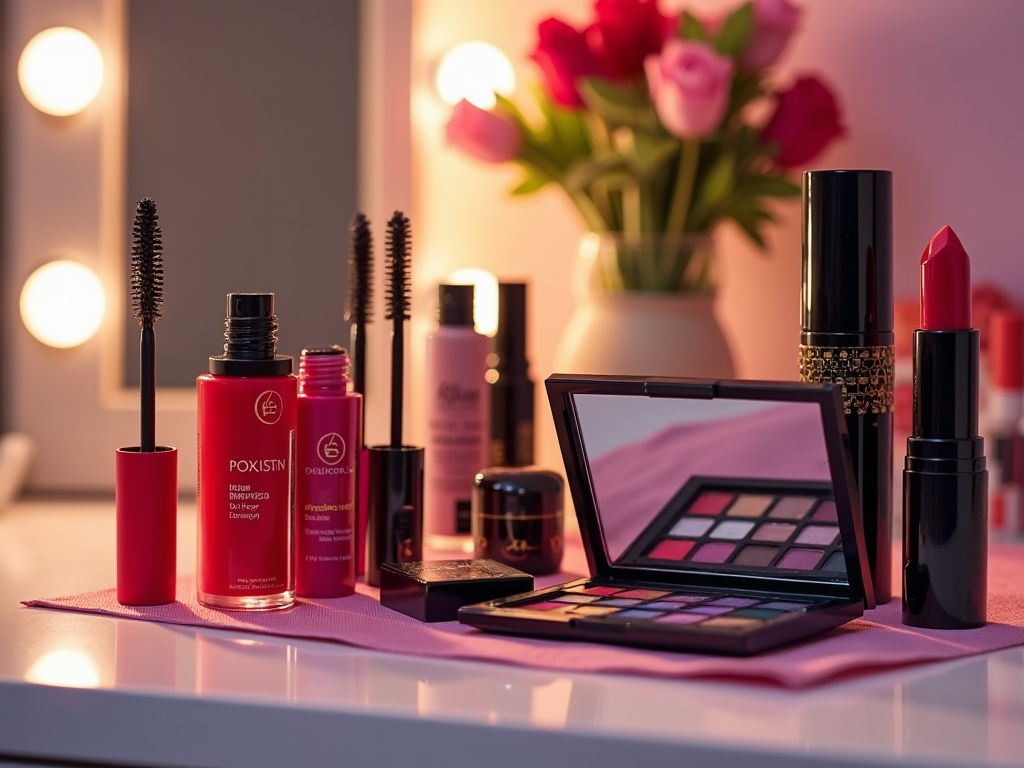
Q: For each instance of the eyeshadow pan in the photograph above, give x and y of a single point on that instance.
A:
(635, 614)
(709, 610)
(671, 549)
(735, 602)
(750, 505)
(691, 526)
(818, 534)
(774, 532)
(732, 529)
(592, 610)
(680, 618)
(677, 598)
(792, 507)
(826, 512)
(577, 598)
(710, 503)
(836, 563)
(729, 622)
(545, 606)
(619, 602)
(712, 553)
(644, 594)
(597, 590)
(755, 555)
(800, 559)
(661, 605)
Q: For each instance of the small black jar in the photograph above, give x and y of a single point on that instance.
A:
(517, 518)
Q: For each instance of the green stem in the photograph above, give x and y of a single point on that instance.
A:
(600, 140)
(684, 187)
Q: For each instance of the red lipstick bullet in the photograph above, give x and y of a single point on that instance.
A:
(945, 479)
(945, 284)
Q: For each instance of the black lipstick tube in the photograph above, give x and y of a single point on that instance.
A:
(847, 332)
(945, 487)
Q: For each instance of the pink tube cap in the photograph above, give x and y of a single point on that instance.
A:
(147, 512)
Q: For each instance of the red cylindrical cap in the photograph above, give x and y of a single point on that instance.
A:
(1006, 349)
(147, 511)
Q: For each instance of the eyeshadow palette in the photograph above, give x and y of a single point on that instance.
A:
(717, 516)
(753, 523)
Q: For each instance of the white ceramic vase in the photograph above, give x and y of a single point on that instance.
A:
(641, 332)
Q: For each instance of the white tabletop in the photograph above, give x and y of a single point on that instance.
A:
(108, 691)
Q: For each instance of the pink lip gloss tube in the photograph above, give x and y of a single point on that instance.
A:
(326, 455)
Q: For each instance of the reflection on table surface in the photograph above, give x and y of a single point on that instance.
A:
(971, 708)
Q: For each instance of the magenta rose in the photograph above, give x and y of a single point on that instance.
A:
(774, 23)
(689, 85)
(626, 32)
(490, 136)
(806, 119)
(564, 57)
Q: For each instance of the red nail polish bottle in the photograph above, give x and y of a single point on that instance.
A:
(246, 441)
(327, 448)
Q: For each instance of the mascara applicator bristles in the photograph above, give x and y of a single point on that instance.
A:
(398, 278)
(147, 288)
(360, 298)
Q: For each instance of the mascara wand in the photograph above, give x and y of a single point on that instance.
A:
(146, 475)
(147, 302)
(398, 313)
(360, 298)
(394, 532)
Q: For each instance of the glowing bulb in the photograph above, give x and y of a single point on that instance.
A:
(475, 71)
(64, 667)
(485, 297)
(60, 71)
(62, 303)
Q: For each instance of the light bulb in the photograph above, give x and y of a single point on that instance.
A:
(475, 71)
(60, 71)
(62, 303)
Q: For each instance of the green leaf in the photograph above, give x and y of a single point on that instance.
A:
(619, 105)
(732, 40)
(611, 168)
(718, 184)
(769, 186)
(692, 28)
(531, 183)
(749, 217)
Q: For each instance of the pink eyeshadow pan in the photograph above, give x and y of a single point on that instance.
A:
(818, 534)
(712, 553)
(792, 507)
(710, 503)
(800, 559)
(601, 590)
(826, 512)
(670, 549)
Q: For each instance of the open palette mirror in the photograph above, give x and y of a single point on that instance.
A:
(717, 516)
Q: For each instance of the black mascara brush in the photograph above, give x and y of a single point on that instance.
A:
(146, 490)
(148, 302)
(360, 298)
(394, 531)
(398, 312)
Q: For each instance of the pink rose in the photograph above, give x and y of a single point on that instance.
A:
(626, 32)
(806, 119)
(490, 136)
(564, 57)
(689, 85)
(774, 22)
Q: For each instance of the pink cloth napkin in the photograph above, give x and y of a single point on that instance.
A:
(876, 642)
